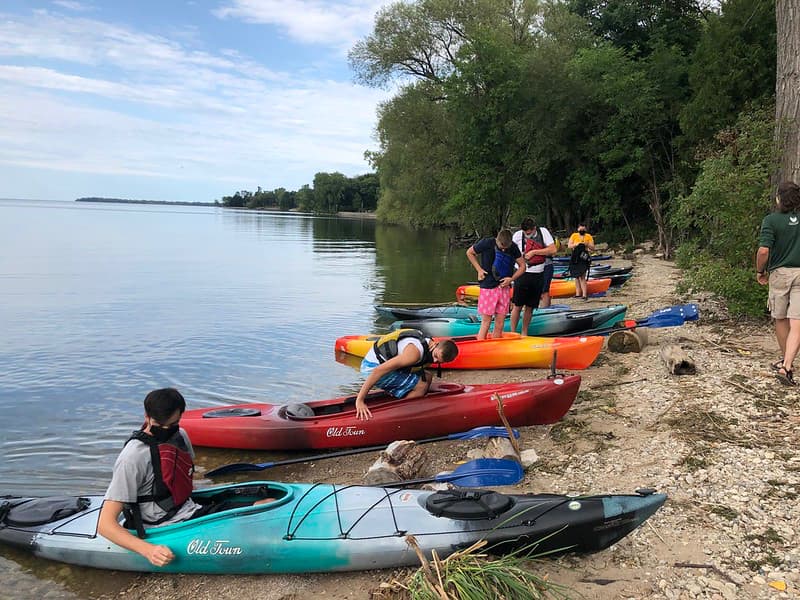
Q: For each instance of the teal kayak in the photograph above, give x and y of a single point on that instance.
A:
(454, 311)
(325, 528)
(542, 322)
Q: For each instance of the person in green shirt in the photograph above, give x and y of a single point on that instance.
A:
(778, 264)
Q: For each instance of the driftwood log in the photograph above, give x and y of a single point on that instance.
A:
(500, 447)
(676, 360)
(627, 340)
(400, 461)
(497, 447)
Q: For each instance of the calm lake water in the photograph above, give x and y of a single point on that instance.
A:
(100, 303)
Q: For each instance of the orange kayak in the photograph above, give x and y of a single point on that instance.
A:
(510, 352)
(559, 288)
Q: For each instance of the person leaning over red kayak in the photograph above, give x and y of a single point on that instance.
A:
(152, 480)
(396, 364)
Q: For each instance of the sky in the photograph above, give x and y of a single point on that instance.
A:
(182, 100)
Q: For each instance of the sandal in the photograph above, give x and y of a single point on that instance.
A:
(776, 366)
(785, 377)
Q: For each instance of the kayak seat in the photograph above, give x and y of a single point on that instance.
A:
(22, 512)
(468, 505)
(231, 412)
(239, 496)
(298, 410)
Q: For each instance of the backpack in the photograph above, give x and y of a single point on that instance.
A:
(534, 243)
(580, 255)
(503, 265)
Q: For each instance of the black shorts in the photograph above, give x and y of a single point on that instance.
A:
(548, 278)
(528, 289)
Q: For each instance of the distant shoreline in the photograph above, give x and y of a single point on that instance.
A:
(125, 201)
(345, 214)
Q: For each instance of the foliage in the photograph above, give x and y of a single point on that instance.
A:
(471, 575)
(733, 64)
(721, 217)
(574, 110)
(414, 161)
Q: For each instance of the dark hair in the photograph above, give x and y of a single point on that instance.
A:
(161, 404)
(528, 223)
(788, 197)
(449, 350)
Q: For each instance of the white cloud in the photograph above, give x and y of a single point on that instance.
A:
(85, 96)
(72, 5)
(337, 24)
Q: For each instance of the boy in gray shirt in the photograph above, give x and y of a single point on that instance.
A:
(134, 483)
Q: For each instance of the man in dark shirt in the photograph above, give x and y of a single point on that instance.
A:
(778, 264)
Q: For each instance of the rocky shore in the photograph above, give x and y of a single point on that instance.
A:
(722, 443)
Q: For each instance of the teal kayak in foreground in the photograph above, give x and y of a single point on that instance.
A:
(325, 528)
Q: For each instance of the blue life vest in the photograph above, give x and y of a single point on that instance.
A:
(503, 265)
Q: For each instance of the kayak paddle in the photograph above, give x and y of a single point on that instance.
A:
(477, 432)
(663, 320)
(480, 472)
(688, 312)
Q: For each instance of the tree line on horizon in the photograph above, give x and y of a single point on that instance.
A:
(329, 194)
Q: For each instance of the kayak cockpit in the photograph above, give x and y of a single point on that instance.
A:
(315, 410)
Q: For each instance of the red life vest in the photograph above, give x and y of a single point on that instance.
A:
(172, 468)
(534, 243)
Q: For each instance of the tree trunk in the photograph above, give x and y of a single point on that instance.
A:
(787, 88)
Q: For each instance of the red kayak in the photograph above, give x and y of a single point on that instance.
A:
(448, 408)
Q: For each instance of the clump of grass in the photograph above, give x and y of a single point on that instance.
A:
(705, 425)
(696, 459)
(472, 575)
(770, 536)
(566, 428)
(724, 511)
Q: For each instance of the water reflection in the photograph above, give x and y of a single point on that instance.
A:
(228, 306)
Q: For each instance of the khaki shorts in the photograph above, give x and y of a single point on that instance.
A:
(784, 293)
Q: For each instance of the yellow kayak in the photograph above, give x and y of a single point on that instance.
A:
(510, 352)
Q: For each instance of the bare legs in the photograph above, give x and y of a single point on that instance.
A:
(486, 320)
(422, 387)
(544, 300)
(581, 288)
(791, 343)
(782, 332)
(499, 322)
(515, 311)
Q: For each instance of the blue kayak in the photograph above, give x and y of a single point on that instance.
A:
(596, 257)
(326, 528)
(542, 323)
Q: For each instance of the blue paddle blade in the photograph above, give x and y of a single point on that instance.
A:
(662, 320)
(482, 432)
(687, 312)
(481, 472)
